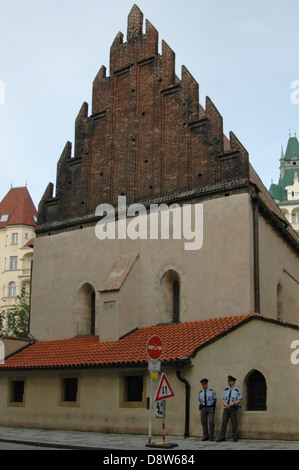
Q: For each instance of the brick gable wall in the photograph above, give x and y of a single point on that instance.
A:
(147, 137)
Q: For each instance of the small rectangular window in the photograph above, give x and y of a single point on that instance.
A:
(14, 238)
(69, 389)
(133, 388)
(17, 388)
(13, 262)
(4, 218)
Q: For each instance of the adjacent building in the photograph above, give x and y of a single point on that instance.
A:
(286, 192)
(18, 217)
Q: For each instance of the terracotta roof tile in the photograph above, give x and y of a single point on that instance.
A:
(179, 340)
(29, 244)
(19, 207)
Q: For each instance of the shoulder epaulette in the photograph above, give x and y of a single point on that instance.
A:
(226, 388)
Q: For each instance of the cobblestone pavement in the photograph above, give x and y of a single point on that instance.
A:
(99, 441)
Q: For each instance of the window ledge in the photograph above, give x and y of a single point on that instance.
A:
(255, 411)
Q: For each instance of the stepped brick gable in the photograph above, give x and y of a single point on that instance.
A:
(147, 136)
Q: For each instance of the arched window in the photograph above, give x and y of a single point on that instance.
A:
(12, 289)
(84, 311)
(176, 301)
(170, 283)
(256, 391)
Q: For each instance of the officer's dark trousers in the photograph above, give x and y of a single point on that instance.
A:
(207, 416)
(232, 414)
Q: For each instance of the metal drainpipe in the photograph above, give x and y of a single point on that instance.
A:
(256, 255)
(187, 402)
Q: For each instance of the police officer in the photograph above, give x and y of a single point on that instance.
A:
(231, 398)
(207, 402)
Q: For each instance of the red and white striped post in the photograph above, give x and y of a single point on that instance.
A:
(163, 421)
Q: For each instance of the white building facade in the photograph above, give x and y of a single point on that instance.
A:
(17, 233)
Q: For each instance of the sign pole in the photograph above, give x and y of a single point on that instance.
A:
(163, 422)
(154, 350)
(150, 410)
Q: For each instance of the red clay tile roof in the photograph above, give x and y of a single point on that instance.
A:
(179, 340)
(18, 205)
(29, 244)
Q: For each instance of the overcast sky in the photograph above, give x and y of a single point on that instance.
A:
(243, 54)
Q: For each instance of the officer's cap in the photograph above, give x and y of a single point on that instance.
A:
(204, 381)
(230, 378)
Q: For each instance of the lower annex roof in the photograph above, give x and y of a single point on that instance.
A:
(180, 340)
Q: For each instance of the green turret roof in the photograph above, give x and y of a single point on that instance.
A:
(288, 179)
(289, 164)
(292, 150)
(277, 192)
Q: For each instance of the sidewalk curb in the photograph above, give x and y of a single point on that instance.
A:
(52, 445)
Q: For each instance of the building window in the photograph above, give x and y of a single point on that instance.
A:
(14, 238)
(12, 289)
(176, 302)
(4, 217)
(256, 396)
(170, 284)
(133, 391)
(133, 388)
(84, 311)
(17, 389)
(13, 262)
(69, 390)
(10, 317)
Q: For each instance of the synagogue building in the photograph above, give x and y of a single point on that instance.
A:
(220, 287)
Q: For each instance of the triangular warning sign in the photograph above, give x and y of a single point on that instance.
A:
(164, 389)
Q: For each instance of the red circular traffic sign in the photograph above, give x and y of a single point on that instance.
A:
(154, 347)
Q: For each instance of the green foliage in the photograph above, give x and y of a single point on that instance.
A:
(16, 321)
(2, 322)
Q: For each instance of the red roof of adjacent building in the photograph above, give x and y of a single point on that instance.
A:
(19, 207)
(29, 244)
(180, 340)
